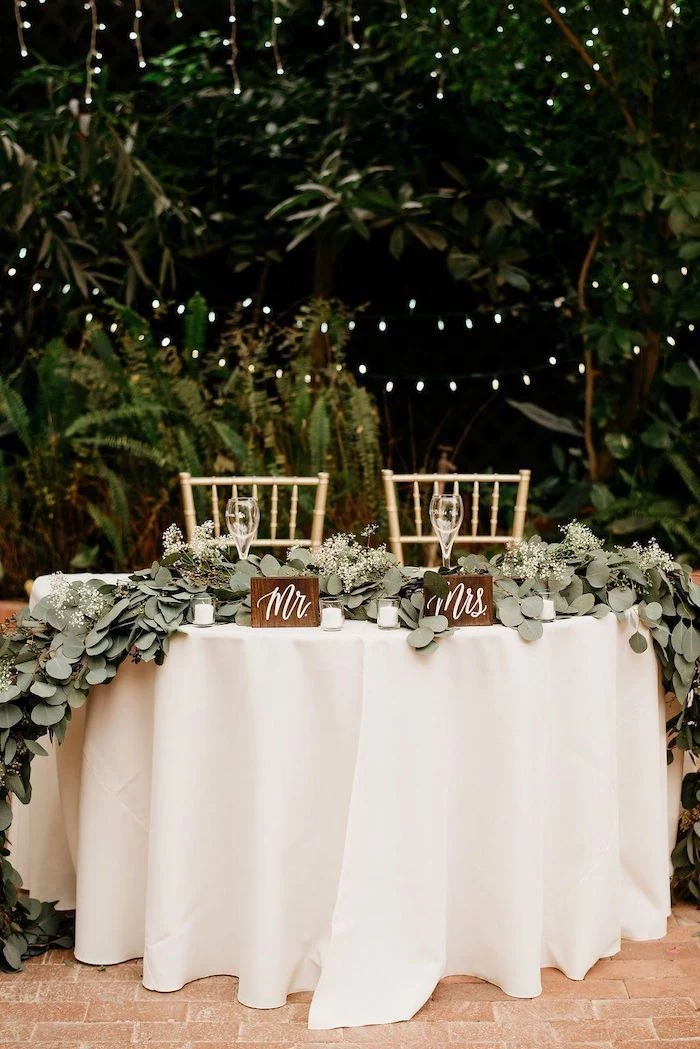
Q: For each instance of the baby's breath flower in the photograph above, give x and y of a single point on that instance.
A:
(652, 556)
(356, 564)
(579, 540)
(7, 673)
(173, 540)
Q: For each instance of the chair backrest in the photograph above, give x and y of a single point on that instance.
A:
(235, 486)
(472, 534)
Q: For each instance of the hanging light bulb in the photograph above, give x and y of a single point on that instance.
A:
(420, 385)
(113, 328)
(468, 323)
(88, 318)
(65, 289)
(552, 361)
(582, 368)
(222, 360)
(453, 385)
(212, 317)
(382, 325)
(279, 373)
(165, 341)
(351, 325)
(195, 354)
(655, 278)
(670, 340)
(11, 272)
(155, 304)
(497, 318)
(362, 369)
(247, 302)
(181, 308)
(389, 386)
(324, 327)
(495, 384)
(251, 367)
(307, 378)
(441, 324)
(412, 303)
(526, 379)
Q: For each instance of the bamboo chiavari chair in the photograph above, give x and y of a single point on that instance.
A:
(446, 482)
(274, 484)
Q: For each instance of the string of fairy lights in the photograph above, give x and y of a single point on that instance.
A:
(459, 322)
(350, 23)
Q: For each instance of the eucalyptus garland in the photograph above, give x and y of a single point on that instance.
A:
(79, 634)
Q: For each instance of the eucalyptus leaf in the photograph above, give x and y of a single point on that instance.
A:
(269, 565)
(96, 676)
(9, 715)
(43, 689)
(597, 574)
(530, 629)
(638, 643)
(392, 582)
(508, 586)
(691, 644)
(531, 606)
(334, 585)
(435, 584)
(43, 714)
(435, 623)
(421, 637)
(5, 816)
(583, 604)
(508, 611)
(35, 748)
(621, 598)
(10, 693)
(58, 668)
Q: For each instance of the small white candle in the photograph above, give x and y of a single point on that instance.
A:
(331, 618)
(388, 617)
(203, 613)
(548, 610)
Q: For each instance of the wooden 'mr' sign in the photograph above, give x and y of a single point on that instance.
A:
(284, 601)
(469, 601)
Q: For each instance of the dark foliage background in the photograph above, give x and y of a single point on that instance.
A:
(561, 198)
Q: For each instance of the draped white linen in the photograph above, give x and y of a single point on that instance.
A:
(334, 811)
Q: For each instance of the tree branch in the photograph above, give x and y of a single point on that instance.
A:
(589, 393)
(583, 54)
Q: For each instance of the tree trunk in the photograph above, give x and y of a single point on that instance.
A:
(324, 267)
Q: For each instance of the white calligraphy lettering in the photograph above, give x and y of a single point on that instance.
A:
(289, 603)
(461, 601)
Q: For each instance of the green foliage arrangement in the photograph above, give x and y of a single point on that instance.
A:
(93, 435)
(78, 636)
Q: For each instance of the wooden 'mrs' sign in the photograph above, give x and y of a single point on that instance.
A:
(468, 603)
(284, 601)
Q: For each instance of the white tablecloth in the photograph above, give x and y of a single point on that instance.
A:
(334, 811)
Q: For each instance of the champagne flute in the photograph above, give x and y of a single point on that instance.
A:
(242, 520)
(446, 515)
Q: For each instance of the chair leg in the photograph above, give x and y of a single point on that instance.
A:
(392, 514)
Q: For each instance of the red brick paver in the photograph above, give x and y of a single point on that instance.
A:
(646, 997)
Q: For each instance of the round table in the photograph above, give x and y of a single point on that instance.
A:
(334, 811)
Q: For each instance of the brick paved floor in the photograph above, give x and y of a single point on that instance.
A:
(646, 997)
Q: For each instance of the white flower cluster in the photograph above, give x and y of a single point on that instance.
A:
(579, 540)
(652, 556)
(356, 564)
(532, 559)
(84, 601)
(203, 544)
(7, 673)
